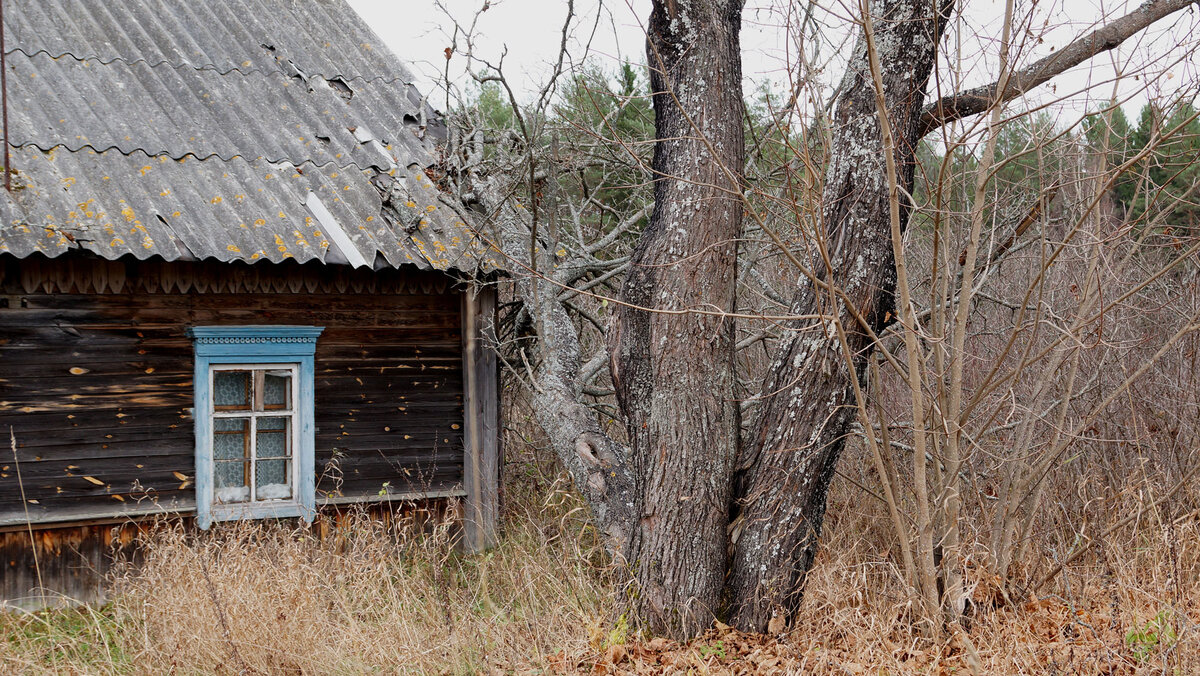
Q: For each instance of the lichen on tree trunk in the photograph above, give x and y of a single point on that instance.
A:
(807, 402)
(672, 347)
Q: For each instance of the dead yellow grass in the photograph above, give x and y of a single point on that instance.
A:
(380, 598)
(367, 598)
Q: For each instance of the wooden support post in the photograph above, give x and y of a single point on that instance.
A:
(481, 418)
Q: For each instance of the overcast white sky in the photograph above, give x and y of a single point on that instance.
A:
(417, 31)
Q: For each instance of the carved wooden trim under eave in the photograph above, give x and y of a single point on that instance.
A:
(78, 275)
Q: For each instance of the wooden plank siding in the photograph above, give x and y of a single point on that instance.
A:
(96, 378)
(63, 565)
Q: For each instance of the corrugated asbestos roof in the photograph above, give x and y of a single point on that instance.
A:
(324, 38)
(77, 104)
(228, 129)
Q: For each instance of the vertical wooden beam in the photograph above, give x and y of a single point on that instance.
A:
(481, 418)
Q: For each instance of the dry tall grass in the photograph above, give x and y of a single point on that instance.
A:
(369, 597)
(379, 598)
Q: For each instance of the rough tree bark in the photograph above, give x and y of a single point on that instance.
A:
(807, 401)
(673, 362)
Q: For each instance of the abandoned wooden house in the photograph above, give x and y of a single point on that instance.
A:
(228, 288)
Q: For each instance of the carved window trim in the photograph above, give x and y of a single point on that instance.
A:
(256, 347)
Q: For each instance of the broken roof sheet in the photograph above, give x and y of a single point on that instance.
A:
(180, 111)
(232, 129)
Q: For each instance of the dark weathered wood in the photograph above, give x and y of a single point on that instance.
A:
(95, 379)
(80, 274)
(70, 563)
(106, 467)
(481, 463)
(70, 512)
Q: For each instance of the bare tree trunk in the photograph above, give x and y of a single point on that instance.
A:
(807, 404)
(672, 347)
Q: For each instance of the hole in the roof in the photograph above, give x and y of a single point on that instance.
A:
(411, 121)
(269, 48)
(323, 139)
(343, 90)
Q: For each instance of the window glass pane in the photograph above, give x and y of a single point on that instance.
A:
(271, 480)
(274, 423)
(229, 438)
(277, 390)
(259, 438)
(229, 479)
(273, 437)
(231, 389)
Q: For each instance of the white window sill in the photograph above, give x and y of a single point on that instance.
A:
(257, 510)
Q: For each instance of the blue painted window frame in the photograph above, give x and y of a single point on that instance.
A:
(255, 345)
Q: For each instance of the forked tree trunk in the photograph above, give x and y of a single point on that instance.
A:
(807, 404)
(673, 365)
(665, 504)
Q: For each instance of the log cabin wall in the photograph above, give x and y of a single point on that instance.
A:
(96, 379)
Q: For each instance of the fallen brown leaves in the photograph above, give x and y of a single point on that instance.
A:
(722, 650)
(725, 650)
(1048, 635)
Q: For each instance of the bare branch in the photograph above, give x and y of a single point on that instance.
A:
(1109, 36)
